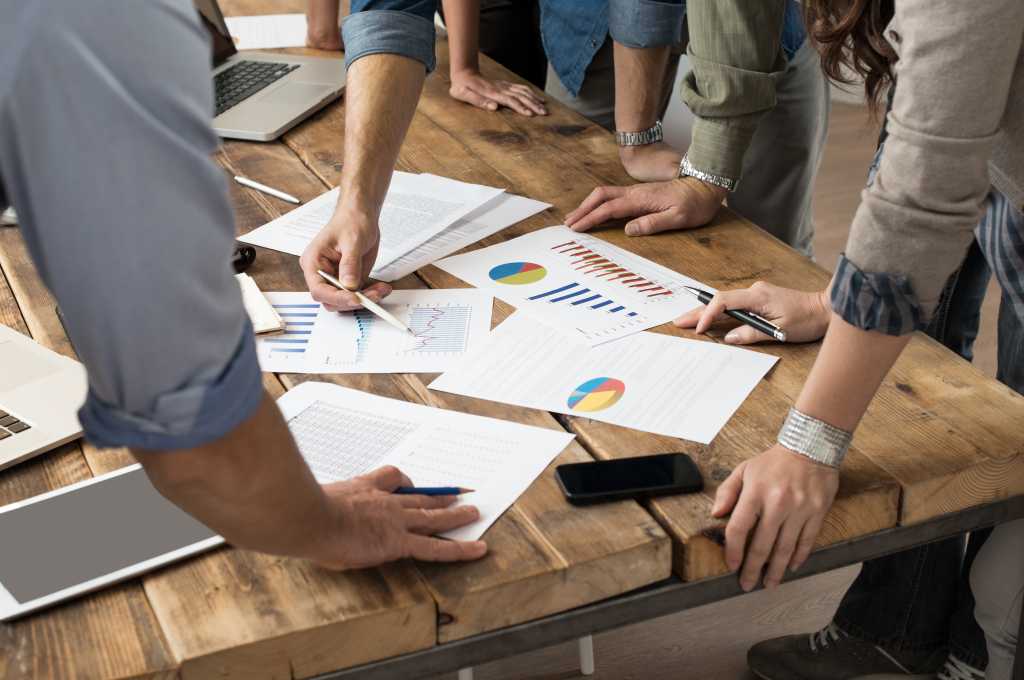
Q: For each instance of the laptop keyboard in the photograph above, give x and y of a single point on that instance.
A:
(9, 425)
(245, 79)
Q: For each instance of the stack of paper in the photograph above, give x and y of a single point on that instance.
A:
(424, 217)
(343, 433)
(268, 31)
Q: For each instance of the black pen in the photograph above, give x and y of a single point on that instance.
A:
(751, 319)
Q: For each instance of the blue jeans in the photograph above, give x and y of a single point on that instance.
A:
(921, 598)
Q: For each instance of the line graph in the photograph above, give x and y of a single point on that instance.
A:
(440, 329)
(587, 261)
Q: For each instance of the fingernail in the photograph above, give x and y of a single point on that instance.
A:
(732, 337)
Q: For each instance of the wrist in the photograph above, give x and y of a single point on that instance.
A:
(711, 191)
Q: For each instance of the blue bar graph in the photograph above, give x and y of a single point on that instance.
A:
(553, 292)
(586, 300)
(573, 294)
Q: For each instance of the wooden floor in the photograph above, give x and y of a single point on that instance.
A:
(710, 643)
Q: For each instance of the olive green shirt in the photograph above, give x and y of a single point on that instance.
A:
(736, 56)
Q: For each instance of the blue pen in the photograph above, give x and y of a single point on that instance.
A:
(432, 490)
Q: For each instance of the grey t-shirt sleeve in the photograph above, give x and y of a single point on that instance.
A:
(105, 146)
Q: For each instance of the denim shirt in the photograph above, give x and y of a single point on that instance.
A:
(572, 30)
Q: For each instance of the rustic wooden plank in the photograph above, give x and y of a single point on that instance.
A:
(542, 543)
(112, 634)
(239, 614)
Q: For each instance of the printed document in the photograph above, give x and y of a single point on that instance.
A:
(445, 324)
(415, 209)
(648, 381)
(343, 433)
(268, 31)
(583, 286)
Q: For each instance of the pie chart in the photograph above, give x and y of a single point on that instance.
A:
(596, 394)
(517, 273)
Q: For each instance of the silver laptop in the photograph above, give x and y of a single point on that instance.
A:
(40, 394)
(261, 95)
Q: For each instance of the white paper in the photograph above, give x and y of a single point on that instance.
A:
(268, 31)
(652, 382)
(262, 315)
(343, 433)
(494, 216)
(580, 284)
(416, 208)
(446, 323)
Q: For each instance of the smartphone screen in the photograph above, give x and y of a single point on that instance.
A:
(629, 478)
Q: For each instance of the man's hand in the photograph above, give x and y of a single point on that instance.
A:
(803, 316)
(346, 245)
(778, 502)
(471, 87)
(680, 204)
(373, 526)
(651, 162)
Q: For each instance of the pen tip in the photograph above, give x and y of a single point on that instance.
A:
(465, 490)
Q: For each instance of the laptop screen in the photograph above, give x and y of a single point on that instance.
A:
(220, 37)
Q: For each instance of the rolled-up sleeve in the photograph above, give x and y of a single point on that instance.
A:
(646, 23)
(403, 27)
(917, 217)
(735, 58)
(127, 217)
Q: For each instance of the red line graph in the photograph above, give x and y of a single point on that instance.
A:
(586, 261)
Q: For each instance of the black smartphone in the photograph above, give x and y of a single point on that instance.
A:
(642, 477)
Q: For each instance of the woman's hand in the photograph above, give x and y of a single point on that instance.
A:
(471, 87)
(778, 503)
(803, 316)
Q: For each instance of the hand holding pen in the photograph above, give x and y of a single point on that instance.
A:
(800, 316)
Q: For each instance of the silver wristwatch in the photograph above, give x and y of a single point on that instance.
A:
(687, 169)
(814, 439)
(651, 135)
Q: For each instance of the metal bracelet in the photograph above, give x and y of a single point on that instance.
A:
(814, 439)
(651, 135)
(687, 169)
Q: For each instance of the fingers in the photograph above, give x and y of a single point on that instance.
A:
(690, 319)
(783, 551)
(388, 478)
(805, 544)
(429, 522)
(471, 96)
(760, 549)
(597, 197)
(728, 492)
(655, 223)
(413, 501)
(737, 531)
(439, 550)
(743, 298)
(616, 208)
(746, 335)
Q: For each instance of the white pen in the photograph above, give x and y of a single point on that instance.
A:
(245, 181)
(367, 302)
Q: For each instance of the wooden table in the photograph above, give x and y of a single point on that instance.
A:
(938, 452)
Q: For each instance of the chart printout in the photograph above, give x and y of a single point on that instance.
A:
(445, 325)
(648, 381)
(577, 283)
(416, 208)
(343, 433)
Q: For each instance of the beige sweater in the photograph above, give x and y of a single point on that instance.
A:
(956, 128)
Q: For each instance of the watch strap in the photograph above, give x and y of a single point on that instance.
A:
(815, 439)
(688, 169)
(651, 135)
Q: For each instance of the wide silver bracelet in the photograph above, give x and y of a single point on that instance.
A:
(814, 439)
(651, 135)
(687, 169)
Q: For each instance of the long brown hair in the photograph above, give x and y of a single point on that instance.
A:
(849, 36)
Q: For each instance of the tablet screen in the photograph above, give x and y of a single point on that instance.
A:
(89, 532)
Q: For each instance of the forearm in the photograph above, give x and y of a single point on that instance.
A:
(848, 371)
(251, 486)
(381, 97)
(639, 78)
(462, 20)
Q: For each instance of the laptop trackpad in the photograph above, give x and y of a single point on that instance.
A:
(20, 366)
(300, 95)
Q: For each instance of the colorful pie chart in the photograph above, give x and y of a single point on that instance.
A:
(518, 273)
(596, 394)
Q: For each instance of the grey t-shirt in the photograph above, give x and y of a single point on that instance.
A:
(105, 144)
